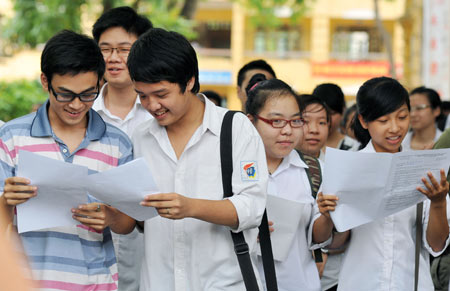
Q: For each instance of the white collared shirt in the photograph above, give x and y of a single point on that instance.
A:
(135, 117)
(380, 255)
(128, 248)
(190, 254)
(298, 271)
(406, 143)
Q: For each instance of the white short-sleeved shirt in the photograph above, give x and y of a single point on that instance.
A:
(190, 254)
(406, 143)
(1, 123)
(380, 255)
(298, 271)
(135, 117)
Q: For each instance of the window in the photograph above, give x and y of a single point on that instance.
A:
(285, 42)
(356, 43)
(213, 38)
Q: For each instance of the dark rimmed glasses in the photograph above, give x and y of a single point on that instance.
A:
(280, 123)
(69, 97)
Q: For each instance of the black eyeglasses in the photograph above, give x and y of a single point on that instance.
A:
(280, 123)
(69, 97)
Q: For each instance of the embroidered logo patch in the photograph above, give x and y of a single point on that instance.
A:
(249, 171)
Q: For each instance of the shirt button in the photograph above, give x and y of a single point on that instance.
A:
(64, 150)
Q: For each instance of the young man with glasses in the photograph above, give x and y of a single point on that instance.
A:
(65, 128)
(115, 32)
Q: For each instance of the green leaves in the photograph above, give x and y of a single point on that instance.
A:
(269, 14)
(17, 98)
(35, 21)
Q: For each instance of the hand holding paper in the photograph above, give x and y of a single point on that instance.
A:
(18, 190)
(375, 185)
(63, 186)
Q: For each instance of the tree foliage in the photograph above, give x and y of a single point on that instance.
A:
(35, 21)
(270, 13)
(18, 97)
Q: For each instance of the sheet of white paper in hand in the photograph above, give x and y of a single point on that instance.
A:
(125, 187)
(59, 190)
(374, 185)
(286, 216)
(407, 170)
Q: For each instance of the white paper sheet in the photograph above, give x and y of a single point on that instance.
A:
(375, 185)
(286, 215)
(62, 186)
(59, 191)
(125, 187)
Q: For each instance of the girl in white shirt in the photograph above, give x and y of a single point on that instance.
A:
(425, 109)
(380, 255)
(272, 107)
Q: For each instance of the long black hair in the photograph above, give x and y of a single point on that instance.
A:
(375, 98)
(259, 90)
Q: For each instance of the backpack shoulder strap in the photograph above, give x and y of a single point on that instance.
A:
(314, 172)
(240, 245)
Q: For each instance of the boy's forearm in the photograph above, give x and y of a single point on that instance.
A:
(220, 212)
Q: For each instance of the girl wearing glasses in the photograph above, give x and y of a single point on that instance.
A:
(425, 109)
(274, 110)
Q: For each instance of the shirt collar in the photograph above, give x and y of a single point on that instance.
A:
(293, 159)
(99, 104)
(370, 148)
(41, 127)
(211, 119)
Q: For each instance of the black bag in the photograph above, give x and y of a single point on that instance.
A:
(240, 246)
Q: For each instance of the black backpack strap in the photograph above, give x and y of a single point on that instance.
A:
(314, 173)
(240, 246)
(419, 232)
(267, 255)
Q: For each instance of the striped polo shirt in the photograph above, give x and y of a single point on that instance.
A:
(73, 257)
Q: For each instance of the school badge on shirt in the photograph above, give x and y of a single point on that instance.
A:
(249, 171)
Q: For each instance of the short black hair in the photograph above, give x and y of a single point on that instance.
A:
(124, 17)
(431, 94)
(254, 65)
(332, 95)
(375, 98)
(307, 99)
(259, 90)
(213, 95)
(161, 55)
(68, 52)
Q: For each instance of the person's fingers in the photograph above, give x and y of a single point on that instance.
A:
(19, 188)
(15, 195)
(427, 185)
(95, 206)
(16, 180)
(88, 220)
(444, 181)
(330, 197)
(14, 202)
(159, 197)
(433, 180)
(423, 191)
